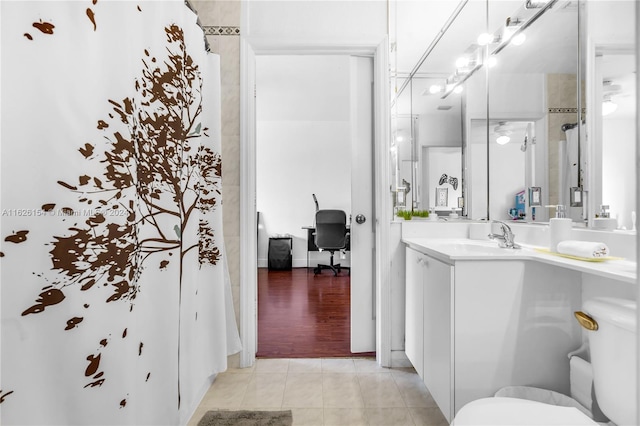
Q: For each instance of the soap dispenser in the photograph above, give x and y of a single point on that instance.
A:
(559, 228)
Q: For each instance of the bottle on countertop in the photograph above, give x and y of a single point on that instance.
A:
(559, 228)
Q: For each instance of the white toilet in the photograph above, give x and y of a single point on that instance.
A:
(612, 340)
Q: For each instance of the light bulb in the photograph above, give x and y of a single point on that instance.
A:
(435, 89)
(462, 62)
(609, 107)
(519, 39)
(484, 39)
(503, 139)
(458, 89)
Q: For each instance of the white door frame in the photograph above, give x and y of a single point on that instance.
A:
(377, 49)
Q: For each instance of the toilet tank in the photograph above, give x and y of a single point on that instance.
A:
(613, 357)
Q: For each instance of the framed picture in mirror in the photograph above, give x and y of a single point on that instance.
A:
(576, 197)
(535, 196)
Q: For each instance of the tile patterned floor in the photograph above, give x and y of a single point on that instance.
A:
(326, 391)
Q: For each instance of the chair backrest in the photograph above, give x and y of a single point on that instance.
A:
(331, 229)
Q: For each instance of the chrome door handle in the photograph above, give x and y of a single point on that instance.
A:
(360, 219)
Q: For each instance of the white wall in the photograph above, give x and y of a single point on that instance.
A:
(440, 130)
(322, 20)
(619, 168)
(438, 161)
(506, 176)
(303, 145)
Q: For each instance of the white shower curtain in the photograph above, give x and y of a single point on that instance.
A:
(115, 301)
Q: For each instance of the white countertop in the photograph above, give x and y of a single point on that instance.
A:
(451, 250)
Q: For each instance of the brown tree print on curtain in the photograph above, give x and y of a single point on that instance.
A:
(157, 180)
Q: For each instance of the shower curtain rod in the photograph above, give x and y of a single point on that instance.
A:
(568, 126)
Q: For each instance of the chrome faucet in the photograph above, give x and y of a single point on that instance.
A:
(507, 237)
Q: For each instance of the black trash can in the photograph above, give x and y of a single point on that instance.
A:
(280, 253)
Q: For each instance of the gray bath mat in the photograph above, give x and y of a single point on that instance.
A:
(246, 418)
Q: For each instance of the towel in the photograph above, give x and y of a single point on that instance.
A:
(586, 249)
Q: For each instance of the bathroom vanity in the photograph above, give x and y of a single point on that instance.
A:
(480, 317)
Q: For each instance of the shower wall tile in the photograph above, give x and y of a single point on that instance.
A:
(562, 108)
(230, 12)
(561, 91)
(208, 10)
(231, 196)
(231, 154)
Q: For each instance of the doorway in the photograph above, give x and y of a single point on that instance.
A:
(314, 138)
(248, 248)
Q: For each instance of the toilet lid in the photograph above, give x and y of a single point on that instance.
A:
(514, 411)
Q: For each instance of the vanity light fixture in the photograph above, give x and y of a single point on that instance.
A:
(522, 19)
(462, 62)
(485, 38)
(466, 65)
(513, 29)
(435, 88)
(535, 4)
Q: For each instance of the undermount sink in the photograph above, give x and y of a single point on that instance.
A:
(462, 247)
(475, 245)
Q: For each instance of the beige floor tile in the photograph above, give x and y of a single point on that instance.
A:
(265, 390)
(231, 378)
(305, 365)
(303, 390)
(226, 392)
(197, 416)
(428, 417)
(413, 391)
(341, 390)
(380, 390)
(389, 417)
(329, 391)
(237, 369)
(307, 416)
(272, 365)
(369, 365)
(338, 365)
(345, 417)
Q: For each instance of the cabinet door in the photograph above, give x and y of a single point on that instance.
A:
(413, 345)
(438, 281)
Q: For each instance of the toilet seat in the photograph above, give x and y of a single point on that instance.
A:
(514, 411)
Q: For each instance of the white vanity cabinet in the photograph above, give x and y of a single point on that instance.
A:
(475, 326)
(428, 324)
(414, 309)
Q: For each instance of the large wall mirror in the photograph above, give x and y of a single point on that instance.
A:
(509, 101)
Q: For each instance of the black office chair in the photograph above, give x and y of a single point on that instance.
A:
(331, 235)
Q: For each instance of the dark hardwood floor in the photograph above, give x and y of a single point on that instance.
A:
(302, 315)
